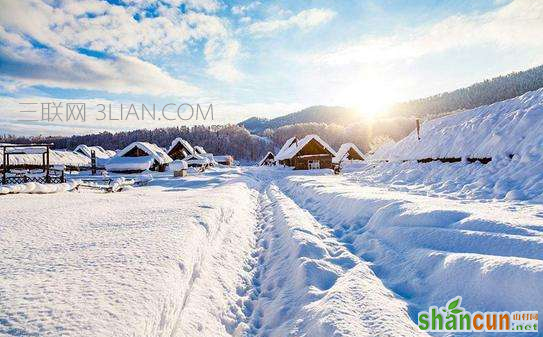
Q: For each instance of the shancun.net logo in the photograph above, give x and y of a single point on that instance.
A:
(454, 318)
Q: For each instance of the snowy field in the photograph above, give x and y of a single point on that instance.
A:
(269, 252)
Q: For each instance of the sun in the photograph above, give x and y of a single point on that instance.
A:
(370, 101)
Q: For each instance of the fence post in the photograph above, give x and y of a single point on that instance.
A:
(418, 128)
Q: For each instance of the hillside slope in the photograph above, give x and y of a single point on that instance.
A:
(507, 128)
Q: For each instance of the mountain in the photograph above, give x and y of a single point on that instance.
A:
(315, 114)
(483, 93)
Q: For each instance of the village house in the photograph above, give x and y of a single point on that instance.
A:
(311, 152)
(267, 160)
(349, 152)
(180, 149)
(138, 157)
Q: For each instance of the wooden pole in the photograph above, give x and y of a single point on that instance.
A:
(93, 162)
(47, 178)
(4, 167)
(418, 128)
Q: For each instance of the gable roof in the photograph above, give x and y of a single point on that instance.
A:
(285, 146)
(152, 150)
(200, 150)
(295, 147)
(266, 157)
(98, 151)
(183, 142)
(344, 150)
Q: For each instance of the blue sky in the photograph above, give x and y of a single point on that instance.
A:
(252, 58)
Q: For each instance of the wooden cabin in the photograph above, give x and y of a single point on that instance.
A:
(348, 152)
(138, 157)
(311, 152)
(180, 149)
(267, 160)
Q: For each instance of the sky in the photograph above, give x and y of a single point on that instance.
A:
(246, 58)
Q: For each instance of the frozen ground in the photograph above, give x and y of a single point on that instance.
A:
(265, 252)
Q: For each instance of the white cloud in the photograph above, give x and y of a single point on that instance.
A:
(516, 25)
(97, 25)
(303, 20)
(242, 9)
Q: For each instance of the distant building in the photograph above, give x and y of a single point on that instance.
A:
(348, 151)
(311, 152)
(227, 160)
(180, 149)
(267, 160)
(138, 157)
(102, 156)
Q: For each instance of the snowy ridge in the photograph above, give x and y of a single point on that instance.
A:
(429, 250)
(510, 127)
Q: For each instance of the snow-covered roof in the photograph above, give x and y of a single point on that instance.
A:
(285, 146)
(183, 142)
(98, 150)
(178, 165)
(197, 160)
(200, 150)
(265, 158)
(508, 127)
(152, 150)
(120, 164)
(56, 157)
(295, 147)
(344, 150)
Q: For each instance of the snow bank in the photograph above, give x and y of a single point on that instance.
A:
(515, 180)
(37, 188)
(513, 126)
(429, 250)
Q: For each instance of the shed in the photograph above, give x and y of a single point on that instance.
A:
(138, 157)
(267, 160)
(311, 152)
(348, 151)
(180, 149)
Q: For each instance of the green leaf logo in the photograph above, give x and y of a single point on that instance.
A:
(453, 306)
(454, 303)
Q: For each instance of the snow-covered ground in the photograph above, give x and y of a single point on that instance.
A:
(266, 251)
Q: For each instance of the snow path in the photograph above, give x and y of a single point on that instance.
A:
(428, 250)
(308, 284)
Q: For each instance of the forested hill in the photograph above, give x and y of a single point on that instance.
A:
(479, 94)
(315, 114)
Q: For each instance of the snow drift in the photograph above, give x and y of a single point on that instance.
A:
(502, 129)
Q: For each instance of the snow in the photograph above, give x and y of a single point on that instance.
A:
(153, 150)
(178, 165)
(98, 151)
(428, 249)
(120, 164)
(287, 152)
(56, 157)
(268, 251)
(37, 188)
(199, 150)
(510, 127)
(343, 151)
